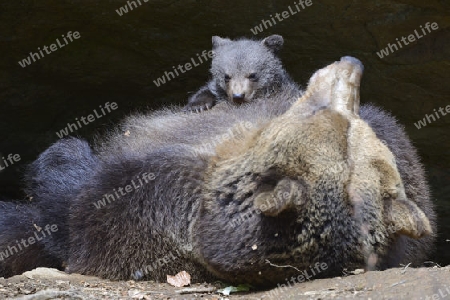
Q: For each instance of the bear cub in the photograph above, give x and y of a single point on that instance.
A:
(243, 71)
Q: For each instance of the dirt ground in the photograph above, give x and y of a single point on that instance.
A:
(403, 283)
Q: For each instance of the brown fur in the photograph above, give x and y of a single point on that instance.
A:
(265, 184)
(294, 152)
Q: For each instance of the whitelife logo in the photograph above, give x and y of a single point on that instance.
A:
(391, 48)
(86, 120)
(49, 49)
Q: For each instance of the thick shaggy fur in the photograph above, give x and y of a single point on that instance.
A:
(53, 181)
(19, 222)
(243, 71)
(205, 203)
(390, 132)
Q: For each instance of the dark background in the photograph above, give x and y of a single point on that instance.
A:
(118, 57)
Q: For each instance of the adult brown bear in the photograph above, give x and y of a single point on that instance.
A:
(275, 182)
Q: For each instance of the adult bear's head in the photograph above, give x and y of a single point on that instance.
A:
(312, 187)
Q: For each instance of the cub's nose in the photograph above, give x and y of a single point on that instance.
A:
(238, 98)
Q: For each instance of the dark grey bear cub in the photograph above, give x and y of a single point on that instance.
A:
(242, 71)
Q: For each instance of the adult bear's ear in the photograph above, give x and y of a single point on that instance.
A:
(217, 41)
(407, 218)
(273, 42)
(274, 197)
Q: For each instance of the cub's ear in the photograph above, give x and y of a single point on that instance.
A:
(217, 41)
(273, 42)
(407, 218)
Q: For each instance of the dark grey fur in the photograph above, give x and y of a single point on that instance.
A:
(17, 222)
(242, 71)
(188, 209)
(52, 182)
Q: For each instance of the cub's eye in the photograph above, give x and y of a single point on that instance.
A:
(252, 77)
(227, 77)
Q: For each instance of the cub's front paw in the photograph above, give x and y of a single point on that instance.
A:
(204, 99)
(198, 106)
